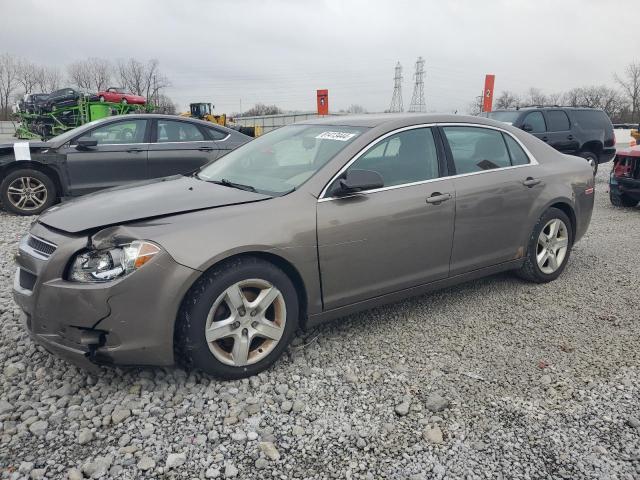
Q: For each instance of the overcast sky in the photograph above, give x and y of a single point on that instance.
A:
(281, 51)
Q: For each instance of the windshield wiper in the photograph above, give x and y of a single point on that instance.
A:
(228, 183)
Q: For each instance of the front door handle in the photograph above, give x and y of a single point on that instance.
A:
(135, 150)
(531, 182)
(437, 198)
(545, 139)
(570, 137)
(206, 149)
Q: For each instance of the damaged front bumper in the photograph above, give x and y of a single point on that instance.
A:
(127, 321)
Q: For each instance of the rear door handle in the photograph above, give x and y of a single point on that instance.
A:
(570, 137)
(545, 139)
(135, 150)
(437, 198)
(206, 149)
(531, 182)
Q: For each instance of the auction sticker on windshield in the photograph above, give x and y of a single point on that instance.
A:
(340, 136)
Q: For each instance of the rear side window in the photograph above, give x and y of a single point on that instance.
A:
(536, 121)
(170, 131)
(476, 149)
(518, 157)
(216, 134)
(558, 121)
(592, 119)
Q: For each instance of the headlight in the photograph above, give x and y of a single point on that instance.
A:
(104, 265)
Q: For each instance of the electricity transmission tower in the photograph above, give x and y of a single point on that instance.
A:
(417, 100)
(396, 99)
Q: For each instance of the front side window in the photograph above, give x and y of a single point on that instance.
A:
(130, 131)
(475, 149)
(172, 131)
(405, 157)
(281, 160)
(536, 121)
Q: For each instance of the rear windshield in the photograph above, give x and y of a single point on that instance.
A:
(505, 116)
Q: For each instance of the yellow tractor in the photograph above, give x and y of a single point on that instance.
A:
(203, 111)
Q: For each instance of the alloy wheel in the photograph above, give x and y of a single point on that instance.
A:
(553, 244)
(246, 322)
(27, 193)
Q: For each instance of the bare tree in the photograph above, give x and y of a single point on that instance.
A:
(554, 98)
(475, 107)
(260, 109)
(630, 84)
(536, 97)
(142, 79)
(49, 79)
(354, 108)
(91, 74)
(165, 105)
(27, 76)
(8, 82)
(507, 99)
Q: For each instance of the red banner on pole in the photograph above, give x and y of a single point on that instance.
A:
(487, 103)
(323, 102)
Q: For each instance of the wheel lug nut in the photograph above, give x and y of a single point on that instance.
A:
(242, 311)
(245, 331)
(254, 324)
(254, 313)
(235, 325)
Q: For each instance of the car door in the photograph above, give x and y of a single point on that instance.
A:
(120, 156)
(559, 132)
(179, 147)
(496, 183)
(392, 238)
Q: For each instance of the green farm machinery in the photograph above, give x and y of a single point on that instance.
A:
(49, 124)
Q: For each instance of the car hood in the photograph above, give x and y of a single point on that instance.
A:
(7, 148)
(154, 198)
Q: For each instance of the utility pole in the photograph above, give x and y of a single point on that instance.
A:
(396, 100)
(417, 100)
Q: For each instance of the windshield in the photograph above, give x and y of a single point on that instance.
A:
(282, 160)
(505, 116)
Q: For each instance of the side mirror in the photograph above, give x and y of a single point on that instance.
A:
(527, 127)
(86, 142)
(359, 180)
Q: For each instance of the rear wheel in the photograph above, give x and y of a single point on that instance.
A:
(592, 158)
(237, 319)
(622, 200)
(27, 192)
(549, 248)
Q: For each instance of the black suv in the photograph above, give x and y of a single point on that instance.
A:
(585, 132)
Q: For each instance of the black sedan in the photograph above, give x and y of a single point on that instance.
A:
(107, 153)
(65, 97)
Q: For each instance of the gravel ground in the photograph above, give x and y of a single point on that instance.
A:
(492, 379)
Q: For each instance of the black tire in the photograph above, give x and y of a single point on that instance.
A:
(592, 158)
(530, 271)
(622, 200)
(43, 178)
(190, 345)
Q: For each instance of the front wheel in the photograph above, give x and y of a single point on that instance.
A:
(27, 192)
(549, 248)
(237, 319)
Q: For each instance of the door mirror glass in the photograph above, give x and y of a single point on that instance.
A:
(86, 142)
(358, 180)
(527, 127)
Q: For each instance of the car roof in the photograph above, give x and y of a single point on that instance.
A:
(398, 120)
(157, 116)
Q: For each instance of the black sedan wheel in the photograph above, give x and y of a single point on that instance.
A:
(27, 192)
